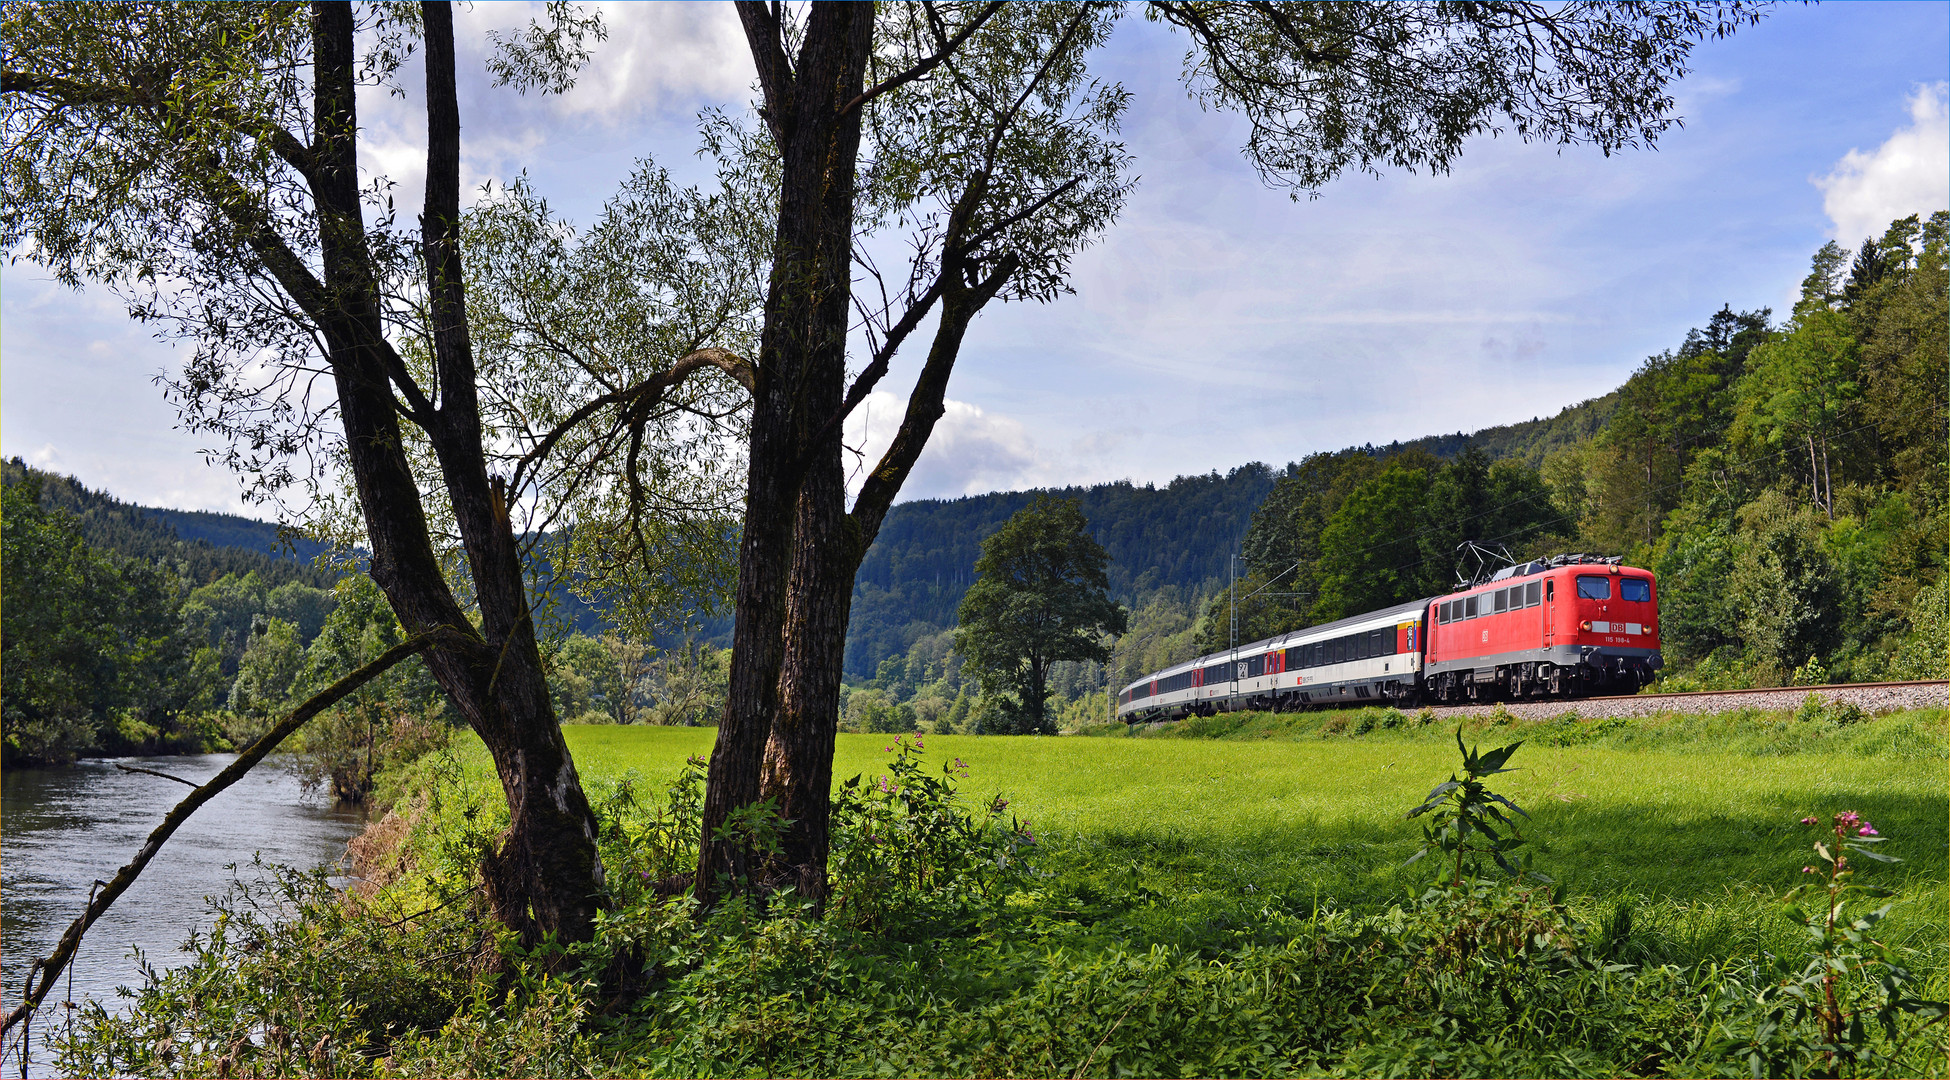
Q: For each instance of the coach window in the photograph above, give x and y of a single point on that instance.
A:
(1532, 594)
(1375, 646)
(1593, 587)
(1502, 600)
(1634, 588)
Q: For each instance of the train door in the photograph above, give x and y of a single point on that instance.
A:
(1550, 610)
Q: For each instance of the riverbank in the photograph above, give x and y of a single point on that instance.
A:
(62, 828)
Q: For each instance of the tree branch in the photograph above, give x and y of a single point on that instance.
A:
(310, 294)
(927, 402)
(947, 49)
(763, 33)
(641, 396)
(73, 92)
(884, 355)
(153, 772)
(50, 968)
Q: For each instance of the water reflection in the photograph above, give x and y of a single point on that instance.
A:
(63, 829)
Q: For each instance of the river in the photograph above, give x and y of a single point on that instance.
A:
(62, 829)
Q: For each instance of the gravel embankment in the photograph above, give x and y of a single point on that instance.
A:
(1872, 699)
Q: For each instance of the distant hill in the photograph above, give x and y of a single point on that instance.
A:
(1175, 538)
(1171, 540)
(1527, 441)
(229, 530)
(204, 546)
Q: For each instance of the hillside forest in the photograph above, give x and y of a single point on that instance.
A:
(1785, 478)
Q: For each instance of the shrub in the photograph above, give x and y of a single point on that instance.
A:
(1815, 710)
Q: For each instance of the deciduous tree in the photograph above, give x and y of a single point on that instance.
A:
(1039, 597)
(203, 160)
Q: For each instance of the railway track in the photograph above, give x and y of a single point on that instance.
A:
(1870, 697)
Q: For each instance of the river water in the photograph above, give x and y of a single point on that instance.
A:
(63, 829)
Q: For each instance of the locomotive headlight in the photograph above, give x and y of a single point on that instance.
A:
(1585, 626)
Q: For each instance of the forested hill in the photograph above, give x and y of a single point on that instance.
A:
(1527, 441)
(1171, 541)
(203, 546)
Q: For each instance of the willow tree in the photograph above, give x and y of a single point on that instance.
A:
(1326, 87)
(994, 170)
(203, 161)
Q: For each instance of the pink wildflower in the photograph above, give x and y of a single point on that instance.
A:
(1867, 830)
(1810, 821)
(1808, 870)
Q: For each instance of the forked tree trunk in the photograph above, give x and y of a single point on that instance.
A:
(828, 548)
(801, 365)
(546, 876)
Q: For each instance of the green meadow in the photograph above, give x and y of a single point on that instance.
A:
(1691, 820)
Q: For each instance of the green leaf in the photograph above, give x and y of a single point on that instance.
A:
(1492, 762)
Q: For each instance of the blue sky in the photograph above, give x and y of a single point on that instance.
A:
(1218, 322)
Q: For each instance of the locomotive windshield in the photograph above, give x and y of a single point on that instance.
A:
(1634, 588)
(1593, 587)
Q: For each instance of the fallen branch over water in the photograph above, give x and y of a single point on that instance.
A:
(50, 968)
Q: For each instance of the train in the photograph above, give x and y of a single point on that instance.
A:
(1566, 626)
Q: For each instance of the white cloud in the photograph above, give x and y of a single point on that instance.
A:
(657, 57)
(663, 54)
(971, 450)
(1908, 174)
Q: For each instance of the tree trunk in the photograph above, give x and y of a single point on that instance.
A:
(546, 876)
(1828, 482)
(801, 365)
(828, 547)
(1814, 472)
(1038, 690)
(798, 770)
